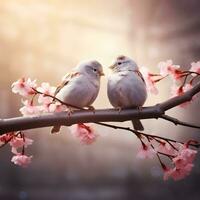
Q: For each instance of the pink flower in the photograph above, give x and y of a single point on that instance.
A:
(183, 164)
(24, 87)
(179, 90)
(44, 108)
(176, 90)
(57, 107)
(28, 109)
(187, 87)
(149, 80)
(195, 67)
(146, 152)
(6, 137)
(178, 174)
(167, 173)
(53, 107)
(85, 133)
(21, 160)
(48, 90)
(18, 142)
(184, 157)
(167, 68)
(166, 148)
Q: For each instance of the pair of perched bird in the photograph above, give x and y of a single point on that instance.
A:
(126, 87)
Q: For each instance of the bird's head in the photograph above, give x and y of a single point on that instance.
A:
(92, 68)
(123, 63)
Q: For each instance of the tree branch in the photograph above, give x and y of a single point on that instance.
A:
(178, 122)
(178, 100)
(104, 115)
(79, 116)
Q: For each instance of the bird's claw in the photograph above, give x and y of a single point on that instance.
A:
(119, 109)
(91, 108)
(139, 108)
(70, 111)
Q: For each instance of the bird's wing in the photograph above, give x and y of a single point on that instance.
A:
(68, 77)
(140, 75)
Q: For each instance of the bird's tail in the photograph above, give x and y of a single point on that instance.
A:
(55, 129)
(137, 125)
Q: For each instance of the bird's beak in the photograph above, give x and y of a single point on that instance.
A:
(112, 66)
(101, 73)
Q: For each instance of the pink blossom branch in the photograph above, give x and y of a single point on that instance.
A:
(104, 115)
(178, 100)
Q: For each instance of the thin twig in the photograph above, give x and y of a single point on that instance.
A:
(178, 122)
(138, 133)
(60, 101)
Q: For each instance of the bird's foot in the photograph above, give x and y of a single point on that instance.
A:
(70, 111)
(139, 108)
(119, 109)
(91, 108)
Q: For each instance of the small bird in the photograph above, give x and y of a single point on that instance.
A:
(80, 87)
(126, 87)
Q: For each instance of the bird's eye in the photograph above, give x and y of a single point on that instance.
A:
(94, 70)
(119, 63)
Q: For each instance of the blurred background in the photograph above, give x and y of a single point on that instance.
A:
(44, 40)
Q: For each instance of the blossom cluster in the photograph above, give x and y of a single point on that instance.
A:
(181, 156)
(85, 132)
(167, 68)
(45, 104)
(28, 89)
(17, 141)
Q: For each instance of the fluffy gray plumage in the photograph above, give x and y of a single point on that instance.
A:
(126, 87)
(81, 87)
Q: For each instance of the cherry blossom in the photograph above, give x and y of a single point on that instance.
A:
(165, 67)
(17, 142)
(28, 109)
(146, 151)
(187, 87)
(176, 90)
(21, 160)
(178, 174)
(84, 132)
(183, 164)
(165, 148)
(168, 68)
(195, 67)
(6, 138)
(149, 80)
(53, 107)
(179, 90)
(24, 87)
(46, 89)
(184, 157)
(56, 107)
